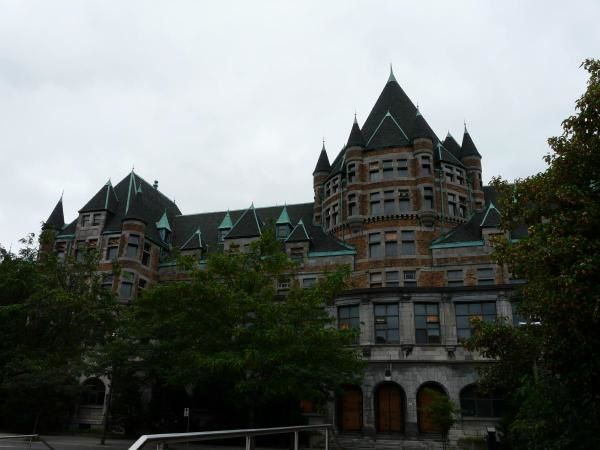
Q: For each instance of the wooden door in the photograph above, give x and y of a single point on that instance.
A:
(390, 417)
(424, 398)
(351, 409)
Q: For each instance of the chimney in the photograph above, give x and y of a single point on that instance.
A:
(155, 185)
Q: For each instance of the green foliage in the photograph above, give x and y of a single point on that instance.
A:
(441, 411)
(52, 314)
(550, 367)
(228, 323)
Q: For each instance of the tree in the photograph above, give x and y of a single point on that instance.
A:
(441, 412)
(227, 327)
(551, 365)
(52, 314)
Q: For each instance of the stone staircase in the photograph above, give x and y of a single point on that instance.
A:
(359, 442)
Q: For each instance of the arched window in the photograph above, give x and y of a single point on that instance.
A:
(389, 407)
(350, 409)
(93, 392)
(476, 404)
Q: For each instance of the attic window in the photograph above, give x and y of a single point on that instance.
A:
(297, 254)
(85, 220)
(283, 231)
(96, 219)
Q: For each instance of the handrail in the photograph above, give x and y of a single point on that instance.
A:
(30, 436)
(173, 438)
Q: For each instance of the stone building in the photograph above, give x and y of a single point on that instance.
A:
(405, 210)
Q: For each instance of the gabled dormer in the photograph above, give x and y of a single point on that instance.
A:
(283, 226)
(194, 244)
(297, 244)
(164, 228)
(247, 229)
(224, 228)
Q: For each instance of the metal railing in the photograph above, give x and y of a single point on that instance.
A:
(172, 438)
(31, 438)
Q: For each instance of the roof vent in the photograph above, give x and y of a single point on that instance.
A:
(155, 185)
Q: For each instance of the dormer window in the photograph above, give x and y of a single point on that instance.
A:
(222, 233)
(165, 235)
(85, 220)
(283, 231)
(96, 219)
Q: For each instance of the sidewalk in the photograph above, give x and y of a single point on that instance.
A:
(67, 443)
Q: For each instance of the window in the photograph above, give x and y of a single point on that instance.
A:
(462, 206)
(133, 243)
(282, 231)
(410, 278)
(297, 254)
(61, 250)
(335, 215)
(455, 277)
(327, 218)
(391, 243)
(375, 201)
(408, 242)
(392, 279)
(80, 251)
(386, 324)
(427, 197)
(449, 173)
(427, 323)
(283, 285)
(375, 245)
(403, 167)
(85, 220)
(146, 254)
(389, 203)
(425, 165)
(112, 249)
(404, 200)
(107, 281)
(348, 318)
(142, 284)
(96, 219)
(374, 173)
(352, 205)
(223, 233)
(375, 280)
(476, 404)
(351, 173)
(460, 177)
(485, 276)
(452, 204)
(126, 285)
(467, 312)
(388, 170)
(335, 185)
(308, 282)
(93, 392)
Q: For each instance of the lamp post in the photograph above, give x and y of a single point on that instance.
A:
(108, 375)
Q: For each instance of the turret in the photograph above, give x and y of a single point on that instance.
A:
(471, 158)
(320, 174)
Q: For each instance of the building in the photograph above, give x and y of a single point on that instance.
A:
(407, 211)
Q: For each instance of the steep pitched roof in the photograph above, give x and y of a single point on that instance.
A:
(284, 218)
(194, 242)
(421, 128)
(56, 219)
(451, 144)
(491, 218)
(136, 209)
(226, 223)
(163, 222)
(392, 100)
(468, 146)
(323, 162)
(299, 233)
(104, 200)
(441, 153)
(248, 225)
(388, 133)
(356, 138)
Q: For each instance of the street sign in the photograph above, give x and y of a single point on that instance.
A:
(186, 412)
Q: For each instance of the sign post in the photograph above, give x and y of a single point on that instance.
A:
(186, 414)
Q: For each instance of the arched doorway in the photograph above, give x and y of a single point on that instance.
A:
(93, 392)
(426, 395)
(350, 407)
(389, 408)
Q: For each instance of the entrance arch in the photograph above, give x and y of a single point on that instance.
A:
(425, 396)
(389, 408)
(350, 407)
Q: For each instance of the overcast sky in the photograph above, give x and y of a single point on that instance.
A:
(226, 103)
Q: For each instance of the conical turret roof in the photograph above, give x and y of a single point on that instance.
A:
(356, 138)
(323, 162)
(56, 219)
(468, 146)
(421, 128)
(104, 200)
(284, 218)
(136, 209)
(451, 144)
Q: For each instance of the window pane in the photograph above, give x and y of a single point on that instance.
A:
(462, 309)
(420, 308)
(489, 308)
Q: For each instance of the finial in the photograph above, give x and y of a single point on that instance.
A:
(355, 121)
(323, 143)
(61, 195)
(465, 122)
(392, 77)
(132, 168)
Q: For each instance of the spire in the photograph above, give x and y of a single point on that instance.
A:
(391, 77)
(284, 218)
(420, 128)
(356, 138)
(56, 219)
(468, 146)
(323, 162)
(226, 223)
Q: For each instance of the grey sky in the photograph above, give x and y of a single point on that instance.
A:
(226, 103)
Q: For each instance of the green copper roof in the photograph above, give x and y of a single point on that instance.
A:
(163, 222)
(284, 218)
(226, 223)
